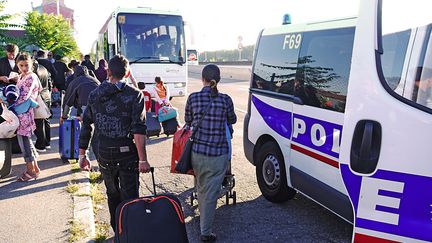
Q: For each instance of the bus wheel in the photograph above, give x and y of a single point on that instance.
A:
(270, 173)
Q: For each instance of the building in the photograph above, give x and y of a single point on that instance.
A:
(50, 7)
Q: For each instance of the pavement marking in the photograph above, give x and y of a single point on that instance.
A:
(243, 111)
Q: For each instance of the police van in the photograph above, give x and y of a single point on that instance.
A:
(341, 111)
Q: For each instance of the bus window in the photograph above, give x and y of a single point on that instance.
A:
(276, 63)
(324, 68)
(423, 85)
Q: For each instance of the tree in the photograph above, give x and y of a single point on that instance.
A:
(50, 32)
(6, 24)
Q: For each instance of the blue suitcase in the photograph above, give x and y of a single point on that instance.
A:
(68, 139)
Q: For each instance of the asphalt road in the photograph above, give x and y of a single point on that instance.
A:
(253, 219)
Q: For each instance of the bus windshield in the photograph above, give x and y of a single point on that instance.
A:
(151, 38)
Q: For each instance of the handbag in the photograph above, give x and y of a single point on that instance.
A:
(166, 113)
(181, 142)
(41, 111)
(184, 163)
(10, 123)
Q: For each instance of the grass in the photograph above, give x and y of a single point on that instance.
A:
(72, 188)
(97, 196)
(76, 231)
(95, 177)
(75, 168)
(102, 230)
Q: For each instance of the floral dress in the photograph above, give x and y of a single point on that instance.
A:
(29, 88)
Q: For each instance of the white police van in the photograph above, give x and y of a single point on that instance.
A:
(342, 113)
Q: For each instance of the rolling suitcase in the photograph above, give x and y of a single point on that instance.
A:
(68, 139)
(153, 125)
(170, 126)
(5, 157)
(157, 218)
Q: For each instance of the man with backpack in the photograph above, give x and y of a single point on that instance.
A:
(119, 139)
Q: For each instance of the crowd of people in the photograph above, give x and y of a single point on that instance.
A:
(113, 116)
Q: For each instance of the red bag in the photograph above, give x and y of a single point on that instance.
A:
(148, 100)
(179, 141)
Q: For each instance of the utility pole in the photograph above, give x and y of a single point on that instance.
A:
(58, 7)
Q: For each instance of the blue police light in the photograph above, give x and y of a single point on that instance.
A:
(286, 19)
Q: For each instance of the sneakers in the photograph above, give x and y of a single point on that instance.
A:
(40, 150)
(208, 238)
(48, 147)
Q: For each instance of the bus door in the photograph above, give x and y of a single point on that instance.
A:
(321, 85)
(385, 156)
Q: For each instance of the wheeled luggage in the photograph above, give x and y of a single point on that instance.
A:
(157, 218)
(170, 126)
(153, 125)
(5, 157)
(68, 139)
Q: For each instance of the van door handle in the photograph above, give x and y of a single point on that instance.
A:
(366, 146)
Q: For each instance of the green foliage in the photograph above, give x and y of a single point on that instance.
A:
(50, 32)
(5, 23)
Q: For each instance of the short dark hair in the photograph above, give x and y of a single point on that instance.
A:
(11, 48)
(57, 57)
(40, 53)
(87, 56)
(118, 65)
(141, 85)
(158, 79)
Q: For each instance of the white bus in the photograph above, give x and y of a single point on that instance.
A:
(343, 114)
(152, 40)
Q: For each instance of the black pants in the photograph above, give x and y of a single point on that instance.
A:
(43, 133)
(119, 169)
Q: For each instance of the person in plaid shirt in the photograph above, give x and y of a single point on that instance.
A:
(210, 147)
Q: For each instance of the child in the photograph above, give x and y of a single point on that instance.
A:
(162, 94)
(147, 96)
(29, 88)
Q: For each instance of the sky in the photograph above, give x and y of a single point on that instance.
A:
(216, 24)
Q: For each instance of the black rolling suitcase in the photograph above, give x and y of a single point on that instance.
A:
(153, 125)
(170, 126)
(5, 157)
(157, 218)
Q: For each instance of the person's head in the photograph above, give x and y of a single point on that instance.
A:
(11, 51)
(41, 54)
(24, 62)
(50, 55)
(102, 63)
(57, 57)
(211, 77)
(158, 80)
(141, 85)
(80, 70)
(73, 64)
(118, 66)
(87, 57)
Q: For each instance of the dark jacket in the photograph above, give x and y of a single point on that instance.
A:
(117, 112)
(80, 88)
(6, 69)
(90, 66)
(60, 80)
(49, 66)
(45, 79)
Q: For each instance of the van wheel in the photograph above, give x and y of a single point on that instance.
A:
(271, 174)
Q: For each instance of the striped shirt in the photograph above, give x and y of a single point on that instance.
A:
(210, 138)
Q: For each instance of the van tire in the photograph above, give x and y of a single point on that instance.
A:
(273, 184)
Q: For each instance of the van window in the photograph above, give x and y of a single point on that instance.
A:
(324, 68)
(423, 85)
(392, 60)
(276, 62)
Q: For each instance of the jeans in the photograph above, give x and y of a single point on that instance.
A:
(209, 174)
(27, 148)
(119, 169)
(43, 133)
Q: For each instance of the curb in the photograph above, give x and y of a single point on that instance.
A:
(83, 205)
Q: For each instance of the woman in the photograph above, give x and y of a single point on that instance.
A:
(101, 71)
(29, 88)
(210, 147)
(161, 93)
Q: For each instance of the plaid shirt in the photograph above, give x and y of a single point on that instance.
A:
(210, 138)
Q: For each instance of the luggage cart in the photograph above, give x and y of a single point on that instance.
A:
(227, 188)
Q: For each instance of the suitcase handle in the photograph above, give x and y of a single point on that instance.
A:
(153, 179)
